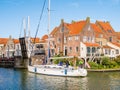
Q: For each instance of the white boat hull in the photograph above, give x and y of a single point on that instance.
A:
(57, 70)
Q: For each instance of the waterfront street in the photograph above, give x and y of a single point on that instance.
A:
(16, 79)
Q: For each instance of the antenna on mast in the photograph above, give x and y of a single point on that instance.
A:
(24, 26)
(29, 26)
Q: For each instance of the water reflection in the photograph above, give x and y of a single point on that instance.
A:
(56, 83)
(104, 81)
(15, 79)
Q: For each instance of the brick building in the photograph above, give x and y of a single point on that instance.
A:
(68, 38)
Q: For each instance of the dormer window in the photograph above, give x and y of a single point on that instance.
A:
(110, 39)
(109, 31)
(62, 29)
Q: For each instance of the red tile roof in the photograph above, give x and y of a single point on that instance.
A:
(97, 30)
(16, 41)
(45, 37)
(37, 40)
(3, 40)
(117, 44)
(92, 44)
(76, 27)
(107, 47)
(106, 26)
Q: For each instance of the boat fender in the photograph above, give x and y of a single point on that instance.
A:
(35, 69)
(65, 71)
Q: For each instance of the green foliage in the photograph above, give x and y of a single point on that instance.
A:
(112, 64)
(105, 61)
(100, 66)
(117, 60)
(93, 65)
(55, 61)
(79, 62)
(71, 63)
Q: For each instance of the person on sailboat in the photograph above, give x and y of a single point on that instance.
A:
(67, 63)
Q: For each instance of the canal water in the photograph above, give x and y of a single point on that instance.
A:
(16, 79)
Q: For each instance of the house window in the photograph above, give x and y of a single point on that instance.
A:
(117, 51)
(89, 39)
(77, 49)
(93, 49)
(110, 39)
(69, 38)
(70, 49)
(92, 40)
(18, 47)
(100, 42)
(88, 49)
(62, 29)
(59, 40)
(58, 49)
(65, 39)
(76, 37)
(84, 38)
(109, 31)
(106, 52)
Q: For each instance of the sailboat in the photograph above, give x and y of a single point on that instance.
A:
(52, 69)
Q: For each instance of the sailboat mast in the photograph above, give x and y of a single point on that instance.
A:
(29, 37)
(48, 28)
(28, 26)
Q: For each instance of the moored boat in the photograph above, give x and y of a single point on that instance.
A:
(43, 65)
(56, 70)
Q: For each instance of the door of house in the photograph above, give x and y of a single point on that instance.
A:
(65, 51)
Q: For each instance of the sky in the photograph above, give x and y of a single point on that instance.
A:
(12, 13)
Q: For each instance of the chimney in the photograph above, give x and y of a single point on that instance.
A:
(62, 21)
(88, 19)
(73, 21)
